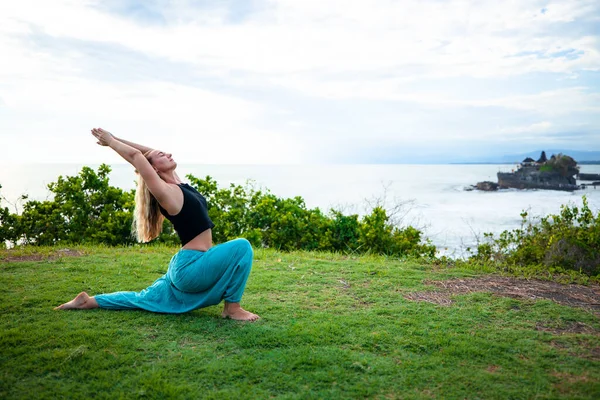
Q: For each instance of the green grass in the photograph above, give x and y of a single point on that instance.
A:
(332, 327)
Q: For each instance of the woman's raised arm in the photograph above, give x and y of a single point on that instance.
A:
(106, 138)
(159, 188)
(140, 147)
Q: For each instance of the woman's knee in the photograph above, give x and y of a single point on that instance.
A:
(245, 252)
(244, 246)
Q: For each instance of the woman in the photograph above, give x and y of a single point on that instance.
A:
(199, 275)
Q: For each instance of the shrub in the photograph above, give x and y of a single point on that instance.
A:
(8, 226)
(86, 208)
(567, 241)
(286, 224)
(564, 165)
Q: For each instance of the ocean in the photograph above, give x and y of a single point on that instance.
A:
(429, 197)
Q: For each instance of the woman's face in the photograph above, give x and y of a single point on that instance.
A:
(161, 161)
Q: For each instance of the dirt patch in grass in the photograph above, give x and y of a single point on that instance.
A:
(573, 327)
(571, 295)
(492, 369)
(570, 378)
(441, 298)
(8, 257)
(594, 354)
(566, 380)
(586, 348)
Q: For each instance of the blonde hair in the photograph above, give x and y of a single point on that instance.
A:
(147, 218)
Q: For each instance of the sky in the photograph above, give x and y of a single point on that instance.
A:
(293, 82)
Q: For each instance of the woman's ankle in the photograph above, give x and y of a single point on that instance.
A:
(232, 306)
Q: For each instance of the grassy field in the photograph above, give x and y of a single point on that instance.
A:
(332, 327)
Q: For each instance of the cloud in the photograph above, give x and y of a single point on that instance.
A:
(201, 120)
(301, 81)
(301, 37)
(539, 127)
(554, 102)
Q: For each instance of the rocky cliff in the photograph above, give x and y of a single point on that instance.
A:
(556, 173)
(531, 177)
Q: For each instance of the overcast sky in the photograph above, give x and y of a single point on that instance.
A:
(299, 81)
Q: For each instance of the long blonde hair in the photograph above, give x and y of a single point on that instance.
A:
(147, 218)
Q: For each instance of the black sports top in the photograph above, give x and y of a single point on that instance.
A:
(193, 218)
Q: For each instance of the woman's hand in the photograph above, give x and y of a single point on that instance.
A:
(104, 137)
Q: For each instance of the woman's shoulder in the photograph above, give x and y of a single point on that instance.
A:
(173, 199)
(187, 188)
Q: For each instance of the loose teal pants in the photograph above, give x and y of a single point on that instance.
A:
(195, 279)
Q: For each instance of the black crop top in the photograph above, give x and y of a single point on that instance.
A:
(193, 218)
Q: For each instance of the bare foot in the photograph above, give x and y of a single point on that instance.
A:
(234, 311)
(82, 302)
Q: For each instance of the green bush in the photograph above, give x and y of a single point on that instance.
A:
(564, 165)
(556, 243)
(8, 226)
(86, 208)
(286, 224)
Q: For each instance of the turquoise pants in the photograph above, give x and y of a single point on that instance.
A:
(195, 279)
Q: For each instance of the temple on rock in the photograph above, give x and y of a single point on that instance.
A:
(556, 173)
